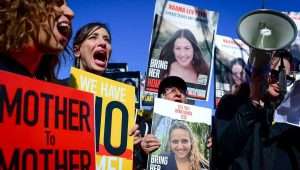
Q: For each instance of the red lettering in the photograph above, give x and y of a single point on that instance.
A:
(153, 83)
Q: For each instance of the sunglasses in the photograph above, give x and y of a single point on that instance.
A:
(275, 77)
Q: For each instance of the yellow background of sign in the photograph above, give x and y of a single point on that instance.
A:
(106, 89)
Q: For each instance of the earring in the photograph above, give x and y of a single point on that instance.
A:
(77, 62)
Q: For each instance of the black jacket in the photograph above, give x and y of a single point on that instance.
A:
(245, 138)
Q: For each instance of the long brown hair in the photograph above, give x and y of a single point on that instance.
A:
(167, 53)
(194, 156)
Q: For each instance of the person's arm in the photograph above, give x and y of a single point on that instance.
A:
(135, 132)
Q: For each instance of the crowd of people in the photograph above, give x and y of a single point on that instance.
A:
(243, 137)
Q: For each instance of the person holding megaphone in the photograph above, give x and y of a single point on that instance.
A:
(248, 139)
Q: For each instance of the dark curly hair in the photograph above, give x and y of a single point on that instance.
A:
(21, 20)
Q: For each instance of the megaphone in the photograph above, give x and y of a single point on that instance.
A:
(265, 31)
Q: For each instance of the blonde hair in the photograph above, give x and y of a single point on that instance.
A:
(21, 20)
(194, 155)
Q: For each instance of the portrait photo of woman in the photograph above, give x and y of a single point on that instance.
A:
(238, 73)
(184, 58)
(182, 149)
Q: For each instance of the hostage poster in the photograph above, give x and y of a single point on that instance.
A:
(114, 116)
(295, 46)
(44, 125)
(231, 57)
(182, 45)
(289, 110)
(183, 131)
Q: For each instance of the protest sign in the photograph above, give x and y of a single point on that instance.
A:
(289, 110)
(182, 45)
(295, 46)
(114, 112)
(231, 57)
(183, 131)
(44, 125)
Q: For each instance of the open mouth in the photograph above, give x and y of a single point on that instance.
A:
(100, 57)
(65, 29)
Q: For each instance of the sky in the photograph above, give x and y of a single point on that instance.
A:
(131, 21)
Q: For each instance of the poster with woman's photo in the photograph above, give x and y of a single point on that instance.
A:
(183, 131)
(231, 56)
(289, 109)
(182, 45)
(295, 46)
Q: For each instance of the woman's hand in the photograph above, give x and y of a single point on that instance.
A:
(149, 143)
(136, 134)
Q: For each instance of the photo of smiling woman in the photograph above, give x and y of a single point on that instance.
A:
(184, 58)
(182, 147)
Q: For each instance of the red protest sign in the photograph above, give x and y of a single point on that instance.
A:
(44, 125)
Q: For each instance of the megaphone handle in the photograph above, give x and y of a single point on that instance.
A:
(257, 86)
(259, 61)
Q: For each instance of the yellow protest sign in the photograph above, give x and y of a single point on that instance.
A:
(114, 116)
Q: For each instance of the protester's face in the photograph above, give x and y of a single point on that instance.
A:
(237, 74)
(183, 51)
(174, 94)
(60, 31)
(274, 88)
(95, 50)
(180, 143)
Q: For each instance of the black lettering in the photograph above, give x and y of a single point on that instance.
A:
(98, 111)
(13, 163)
(16, 103)
(124, 128)
(84, 116)
(46, 153)
(72, 114)
(47, 101)
(64, 163)
(60, 112)
(71, 161)
(27, 104)
(85, 159)
(25, 159)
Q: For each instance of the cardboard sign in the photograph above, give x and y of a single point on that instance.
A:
(231, 56)
(197, 26)
(182, 130)
(44, 125)
(114, 109)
